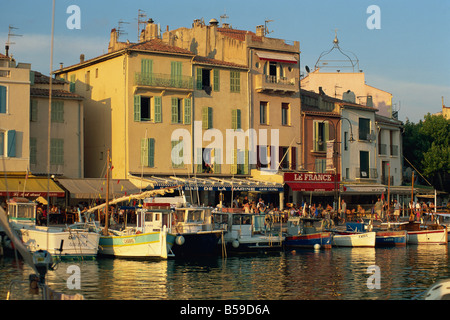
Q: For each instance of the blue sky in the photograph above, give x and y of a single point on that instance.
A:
(409, 56)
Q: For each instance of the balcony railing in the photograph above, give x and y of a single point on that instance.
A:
(268, 83)
(163, 80)
(382, 149)
(372, 173)
(394, 150)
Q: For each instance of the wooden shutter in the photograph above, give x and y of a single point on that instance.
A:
(144, 152)
(293, 158)
(2, 99)
(216, 80)
(234, 165)
(158, 109)
(238, 119)
(137, 108)
(187, 111)
(205, 118)
(151, 152)
(245, 171)
(217, 160)
(210, 117)
(234, 119)
(199, 79)
(174, 110)
(11, 143)
(2, 143)
(316, 136)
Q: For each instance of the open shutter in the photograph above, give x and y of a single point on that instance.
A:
(210, 117)
(216, 80)
(11, 143)
(144, 152)
(205, 118)
(158, 110)
(316, 136)
(174, 110)
(217, 160)
(187, 111)
(238, 119)
(234, 119)
(199, 79)
(151, 152)
(137, 108)
(326, 133)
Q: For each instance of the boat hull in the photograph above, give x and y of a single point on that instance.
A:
(198, 244)
(255, 245)
(364, 239)
(75, 243)
(142, 245)
(428, 237)
(309, 240)
(390, 238)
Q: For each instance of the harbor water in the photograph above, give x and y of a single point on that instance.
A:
(331, 274)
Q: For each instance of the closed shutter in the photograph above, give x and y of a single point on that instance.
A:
(151, 152)
(2, 99)
(199, 79)
(174, 110)
(158, 109)
(187, 111)
(216, 80)
(11, 143)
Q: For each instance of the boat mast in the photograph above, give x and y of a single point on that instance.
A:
(105, 230)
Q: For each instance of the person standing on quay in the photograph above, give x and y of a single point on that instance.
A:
(396, 210)
(379, 209)
(343, 210)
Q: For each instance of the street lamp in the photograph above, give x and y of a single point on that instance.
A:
(335, 154)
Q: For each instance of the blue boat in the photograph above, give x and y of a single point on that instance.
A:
(390, 238)
(306, 233)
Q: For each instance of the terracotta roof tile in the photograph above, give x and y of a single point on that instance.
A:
(39, 92)
(40, 78)
(159, 46)
(204, 60)
(239, 34)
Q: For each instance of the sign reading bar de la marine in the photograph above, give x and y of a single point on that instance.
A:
(304, 181)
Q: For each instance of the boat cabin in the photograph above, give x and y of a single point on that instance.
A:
(237, 224)
(152, 220)
(22, 210)
(299, 225)
(192, 220)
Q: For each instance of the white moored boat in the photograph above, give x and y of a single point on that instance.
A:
(354, 239)
(425, 234)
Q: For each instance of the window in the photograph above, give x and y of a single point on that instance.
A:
(72, 83)
(240, 162)
(320, 135)
(96, 73)
(57, 151)
(148, 152)
(207, 118)
(235, 81)
(177, 110)
(263, 113)
(236, 119)
(175, 74)
(187, 111)
(364, 164)
(33, 110)
(144, 110)
(8, 142)
(285, 114)
(2, 143)
(284, 157)
(178, 145)
(146, 71)
(33, 151)
(2, 99)
(321, 165)
(216, 80)
(57, 114)
(364, 128)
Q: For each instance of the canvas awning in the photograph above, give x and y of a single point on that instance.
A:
(96, 188)
(370, 188)
(212, 184)
(31, 187)
(277, 57)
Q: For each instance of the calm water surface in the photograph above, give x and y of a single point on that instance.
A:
(336, 274)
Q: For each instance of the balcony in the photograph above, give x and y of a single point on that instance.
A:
(161, 80)
(371, 174)
(274, 84)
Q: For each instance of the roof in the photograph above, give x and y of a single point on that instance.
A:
(40, 78)
(157, 45)
(239, 34)
(2, 56)
(339, 101)
(63, 94)
(204, 60)
(388, 121)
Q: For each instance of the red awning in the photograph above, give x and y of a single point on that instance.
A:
(311, 181)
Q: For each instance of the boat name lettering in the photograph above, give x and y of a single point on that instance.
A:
(128, 241)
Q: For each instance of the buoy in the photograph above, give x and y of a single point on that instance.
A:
(235, 243)
(179, 240)
(316, 246)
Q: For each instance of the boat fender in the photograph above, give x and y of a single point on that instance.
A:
(179, 240)
(235, 243)
(317, 246)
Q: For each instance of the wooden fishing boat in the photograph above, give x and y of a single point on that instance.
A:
(59, 242)
(425, 234)
(307, 233)
(390, 238)
(353, 239)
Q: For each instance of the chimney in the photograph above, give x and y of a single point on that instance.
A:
(113, 40)
(260, 31)
(61, 65)
(7, 50)
(151, 30)
(213, 22)
(82, 58)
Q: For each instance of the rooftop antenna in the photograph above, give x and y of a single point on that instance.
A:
(266, 29)
(10, 35)
(223, 17)
(142, 19)
(120, 29)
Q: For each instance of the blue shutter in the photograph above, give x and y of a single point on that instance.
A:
(2, 99)
(11, 143)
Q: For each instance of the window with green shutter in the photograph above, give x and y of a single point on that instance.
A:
(148, 152)
(187, 111)
(216, 80)
(2, 99)
(207, 118)
(236, 119)
(158, 109)
(320, 135)
(57, 114)
(33, 110)
(33, 151)
(72, 83)
(2, 143)
(175, 114)
(57, 151)
(199, 78)
(147, 71)
(235, 81)
(178, 145)
(175, 73)
(137, 108)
